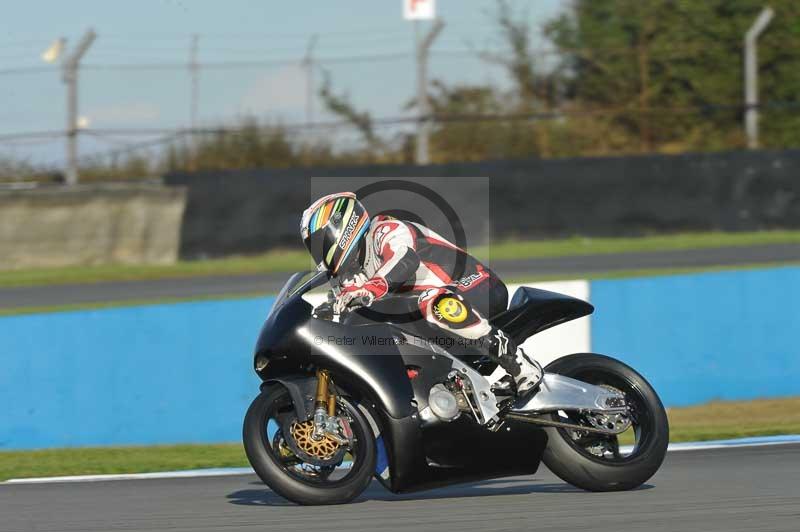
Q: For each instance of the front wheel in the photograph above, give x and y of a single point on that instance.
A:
(599, 462)
(299, 468)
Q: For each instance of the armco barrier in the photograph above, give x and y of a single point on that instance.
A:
(722, 335)
(182, 372)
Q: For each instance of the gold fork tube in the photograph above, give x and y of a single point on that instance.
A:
(322, 387)
(331, 405)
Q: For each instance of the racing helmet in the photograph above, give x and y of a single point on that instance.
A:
(332, 229)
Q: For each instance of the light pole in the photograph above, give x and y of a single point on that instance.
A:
(193, 72)
(308, 65)
(70, 77)
(751, 76)
(423, 102)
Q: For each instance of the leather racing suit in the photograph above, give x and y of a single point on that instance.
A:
(406, 258)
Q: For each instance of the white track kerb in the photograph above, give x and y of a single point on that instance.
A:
(231, 471)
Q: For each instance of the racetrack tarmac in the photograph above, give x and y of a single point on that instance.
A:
(568, 267)
(740, 489)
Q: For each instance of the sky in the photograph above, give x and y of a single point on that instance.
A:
(155, 36)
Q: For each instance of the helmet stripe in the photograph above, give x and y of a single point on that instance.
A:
(347, 214)
(345, 221)
(325, 215)
(331, 252)
(362, 226)
(316, 216)
(319, 219)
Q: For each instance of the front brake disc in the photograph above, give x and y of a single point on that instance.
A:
(323, 452)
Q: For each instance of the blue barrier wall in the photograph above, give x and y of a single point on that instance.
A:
(723, 335)
(183, 372)
(139, 375)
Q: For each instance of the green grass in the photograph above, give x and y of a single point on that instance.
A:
(719, 420)
(649, 272)
(107, 460)
(516, 249)
(652, 272)
(294, 260)
(735, 419)
(712, 421)
(273, 261)
(47, 309)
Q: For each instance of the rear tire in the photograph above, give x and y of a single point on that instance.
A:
(267, 465)
(593, 473)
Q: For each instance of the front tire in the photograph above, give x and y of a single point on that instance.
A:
(594, 462)
(287, 476)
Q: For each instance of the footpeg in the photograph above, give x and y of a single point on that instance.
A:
(530, 375)
(504, 386)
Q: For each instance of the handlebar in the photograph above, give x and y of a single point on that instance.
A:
(326, 310)
(362, 301)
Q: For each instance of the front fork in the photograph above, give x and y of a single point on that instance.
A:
(324, 406)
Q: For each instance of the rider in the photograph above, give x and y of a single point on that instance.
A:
(375, 258)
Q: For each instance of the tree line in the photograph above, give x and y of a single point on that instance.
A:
(622, 77)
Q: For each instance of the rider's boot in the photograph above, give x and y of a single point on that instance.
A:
(504, 350)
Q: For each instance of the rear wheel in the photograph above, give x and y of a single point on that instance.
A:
(303, 470)
(599, 462)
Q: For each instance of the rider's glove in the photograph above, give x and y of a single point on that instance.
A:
(350, 294)
(367, 293)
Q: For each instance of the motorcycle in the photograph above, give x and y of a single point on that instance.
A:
(344, 399)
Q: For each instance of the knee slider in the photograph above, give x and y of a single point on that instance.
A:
(450, 309)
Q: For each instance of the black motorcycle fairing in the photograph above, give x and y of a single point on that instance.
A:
(274, 340)
(406, 452)
(456, 452)
(371, 362)
(301, 389)
(463, 451)
(362, 358)
(425, 370)
(533, 310)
